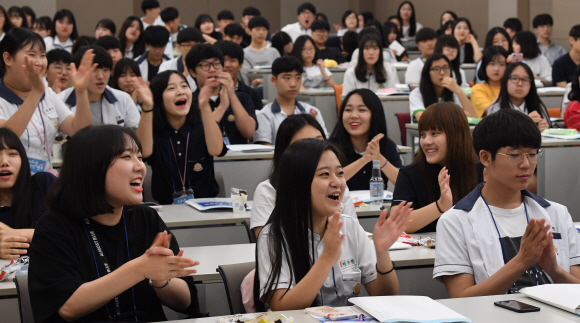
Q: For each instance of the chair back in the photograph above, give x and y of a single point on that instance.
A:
(403, 119)
(24, 307)
(251, 234)
(337, 94)
(233, 275)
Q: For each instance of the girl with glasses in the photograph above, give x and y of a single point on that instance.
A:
(315, 74)
(448, 46)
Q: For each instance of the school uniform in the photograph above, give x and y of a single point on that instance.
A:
(38, 137)
(227, 124)
(413, 72)
(463, 77)
(563, 69)
(145, 66)
(552, 52)
(416, 103)
(540, 66)
(351, 82)
(343, 31)
(521, 108)
(158, 22)
(272, 115)
(176, 64)
(405, 31)
(265, 201)
(115, 107)
(388, 56)
(468, 240)
(313, 78)
(53, 42)
(355, 266)
(256, 98)
(296, 30)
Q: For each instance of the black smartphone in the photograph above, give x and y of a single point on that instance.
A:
(516, 306)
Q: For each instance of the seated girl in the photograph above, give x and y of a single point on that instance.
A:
(125, 75)
(448, 46)
(572, 112)
(493, 65)
(525, 42)
(469, 51)
(293, 128)
(179, 140)
(315, 75)
(300, 251)
(392, 34)
(375, 27)
(437, 85)
(447, 16)
(98, 254)
(518, 91)
(370, 72)
(349, 22)
(21, 196)
(496, 36)
(446, 149)
(360, 133)
(205, 24)
(409, 24)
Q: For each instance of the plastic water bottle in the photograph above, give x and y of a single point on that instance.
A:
(376, 184)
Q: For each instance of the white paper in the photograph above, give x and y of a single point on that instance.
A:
(395, 45)
(566, 137)
(407, 309)
(396, 246)
(249, 147)
(365, 196)
(563, 296)
(552, 89)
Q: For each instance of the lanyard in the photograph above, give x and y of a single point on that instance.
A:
(46, 149)
(182, 178)
(94, 244)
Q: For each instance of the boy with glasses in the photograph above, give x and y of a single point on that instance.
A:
(58, 70)
(234, 112)
(500, 237)
(186, 39)
(306, 13)
(320, 30)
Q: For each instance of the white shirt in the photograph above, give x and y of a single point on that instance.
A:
(540, 66)
(388, 56)
(405, 31)
(117, 107)
(265, 200)
(41, 129)
(296, 30)
(355, 266)
(144, 64)
(313, 78)
(565, 100)
(271, 116)
(413, 72)
(467, 241)
(495, 108)
(52, 43)
(177, 65)
(416, 103)
(463, 78)
(350, 82)
(343, 31)
(158, 22)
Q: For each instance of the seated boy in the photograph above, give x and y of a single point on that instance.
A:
(151, 9)
(247, 14)
(108, 105)
(543, 28)
(500, 237)
(234, 112)
(348, 44)
(512, 26)
(113, 46)
(155, 38)
(287, 78)
(233, 60)
(235, 33)
(306, 13)
(320, 30)
(224, 18)
(171, 18)
(426, 39)
(187, 39)
(58, 71)
(257, 54)
(564, 67)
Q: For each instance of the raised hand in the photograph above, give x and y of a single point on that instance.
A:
(333, 238)
(143, 92)
(446, 200)
(373, 150)
(82, 74)
(449, 82)
(34, 74)
(387, 231)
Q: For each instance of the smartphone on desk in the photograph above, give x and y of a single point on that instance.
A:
(517, 307)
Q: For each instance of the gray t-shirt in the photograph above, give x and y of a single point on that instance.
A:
(97, 113)
(253, 58)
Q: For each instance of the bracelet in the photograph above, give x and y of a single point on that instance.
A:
(438, 208)
(385, 164)
(388, 272)
(151, 284)
(146, 111)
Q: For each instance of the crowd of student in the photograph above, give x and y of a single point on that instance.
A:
(176, 96)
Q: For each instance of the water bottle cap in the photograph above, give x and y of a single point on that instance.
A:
(376, 163)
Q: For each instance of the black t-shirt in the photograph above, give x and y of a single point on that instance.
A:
(563, 69)
(256, 99)
(331, 53)
(64, 260)
(200, 170)
(152, 70)
(228, 121)
(41, 182)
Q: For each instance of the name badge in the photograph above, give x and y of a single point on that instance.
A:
(347, 264)
(37, 165)
(182, 196)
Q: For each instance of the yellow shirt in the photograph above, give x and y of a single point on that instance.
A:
(482, 96)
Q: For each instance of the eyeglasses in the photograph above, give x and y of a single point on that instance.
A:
(60, 68)
(517, 79)
(308, 50)
(438, 69)
(187, 45)
(217, 65)
(517, 159)
(320, 32)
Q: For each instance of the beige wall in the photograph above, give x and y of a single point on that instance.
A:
(88, 13)
(41, 8)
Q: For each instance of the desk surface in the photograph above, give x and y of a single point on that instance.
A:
(183, 215)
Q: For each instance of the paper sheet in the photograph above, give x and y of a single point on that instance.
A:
(563, 296)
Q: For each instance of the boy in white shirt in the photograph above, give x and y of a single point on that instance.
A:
(187, 39)
(155, 39)
(306, 13)
(151, 9)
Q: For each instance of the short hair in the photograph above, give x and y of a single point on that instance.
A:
(425, 34)
(81, 42)
(225, 15)
(121, 67)
(60, 15)
(258, 21)
(489, 55)
(44, 22)
(156, 36)
(320, 25)
(286, 64)
(110, 42)
(321, 16)
(169, 14)
(279, 40)
(231, 49)
(528, 44)
(367, 15)
(506, 128)
(574, 94)
(542, 19)
(232, 30)
(89, 154)
(190, 34)
(350, 41)
(200, 53)
(108, 24)
(201, 19)
(251, 11)
(149, 4)
(575, 32)
(306, 6)
(102, 57)
(58, 55)
(514, 24)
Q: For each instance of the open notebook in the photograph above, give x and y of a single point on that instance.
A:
(564, 296)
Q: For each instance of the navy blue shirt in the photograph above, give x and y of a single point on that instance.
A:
(563, 69)
(256, 99)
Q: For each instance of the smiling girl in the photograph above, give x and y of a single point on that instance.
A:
(65, 31)
(206, 25)
(124, 78)
(469, 51)
(131, 37)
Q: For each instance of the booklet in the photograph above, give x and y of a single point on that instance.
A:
(212, 203)
(563, 296)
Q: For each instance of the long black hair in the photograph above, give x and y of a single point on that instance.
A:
(299, 45)
(123, 66)
(412, 21)
(574, 94)
(450, 41)
(360, 71)
(426, 86)
(158, 86)
(17, 10)
(7, 24)
(139, 45)
(291, 238)
(532, 100)
(491, 34)
(60, 15)
(490, 54)
(346, 14)
(288, 128)
(15, 40)
(468, 57)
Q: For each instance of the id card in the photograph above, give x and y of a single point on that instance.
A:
(37, 165)
(226, 140)
(182, 196)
